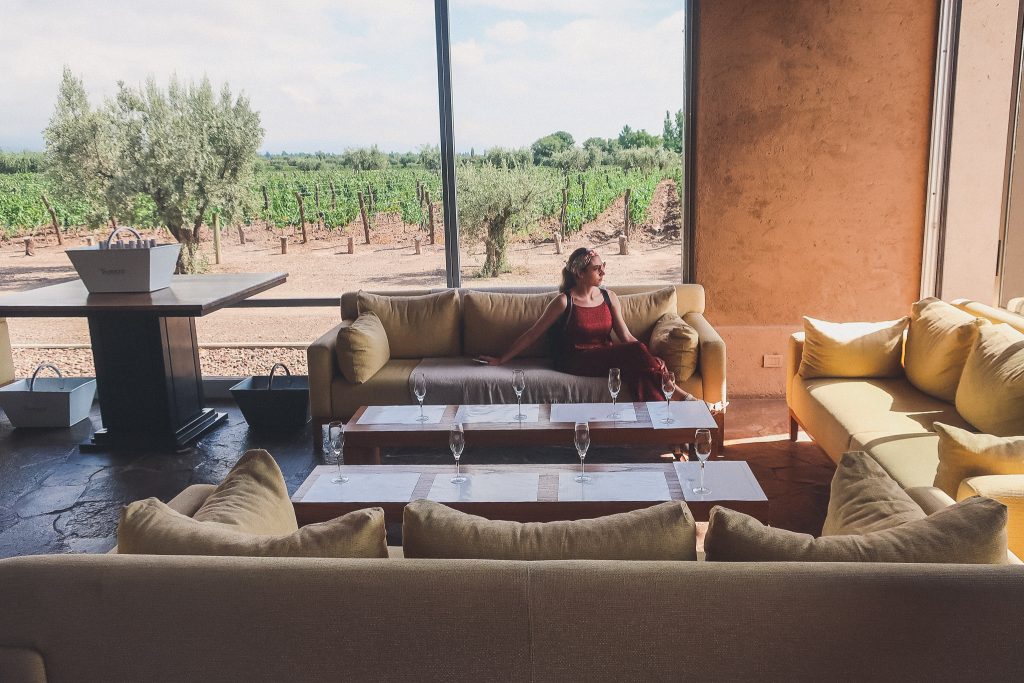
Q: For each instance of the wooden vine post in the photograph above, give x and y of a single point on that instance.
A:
(241, 234)
(583, 189)
(430, 215)
(563, 216)
(302, 215)
(334, 197)
(366, 220)
(53, 218)
(266, 199)
(284, 244)
(216, 238)
(626, 222)
(30, 246)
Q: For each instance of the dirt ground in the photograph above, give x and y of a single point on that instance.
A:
(322, 267)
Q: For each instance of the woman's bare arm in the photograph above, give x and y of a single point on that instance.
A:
(618, 324)
(554, 309)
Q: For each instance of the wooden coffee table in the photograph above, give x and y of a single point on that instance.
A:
(364, 441)
(527, 493)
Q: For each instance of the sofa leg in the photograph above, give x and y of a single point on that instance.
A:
(719, 433)
(794, 428)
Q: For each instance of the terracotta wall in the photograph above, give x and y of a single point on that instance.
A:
(812, 130)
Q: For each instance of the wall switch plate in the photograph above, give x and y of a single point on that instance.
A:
(772, 360)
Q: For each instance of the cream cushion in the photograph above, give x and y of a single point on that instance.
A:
(963, 454)
(864, 499)
(938, 343)
(362, 348)
(417, 326)
(253, 498)
(991, 391)
(641, 312)
(492, 321)
(970, 532)
(662, 532)
(852, 349)
(676, 343)
(150, 527)
(1008, 489)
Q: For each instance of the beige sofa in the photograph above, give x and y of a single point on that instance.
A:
(892, 421)
(6, 355)
(116, 617)
(456, 379)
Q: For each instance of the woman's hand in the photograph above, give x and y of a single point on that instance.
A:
(491, 360)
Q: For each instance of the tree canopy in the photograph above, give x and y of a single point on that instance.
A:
(189, 149)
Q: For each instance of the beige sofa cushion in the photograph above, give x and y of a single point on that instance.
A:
(852, 349)
(991, 391)
(835, 410)
(910, 459)
(418, 326)
(661, 532)
(938, 343)
(641, 312)
(150, 527)
(362, 348)
(963, 454)
(676, 343)
(970, 532)
(1008, 489)
(492, 321)
(253, 498)
(864, 499)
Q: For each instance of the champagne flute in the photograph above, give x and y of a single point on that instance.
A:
(518, 385)
(614, 387)
(336, 438)
(668, 387)
(457, 442)
(702, 442)
(419, 387)
(582, 444)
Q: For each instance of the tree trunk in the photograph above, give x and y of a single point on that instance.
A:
(495, 243)
(53, 217)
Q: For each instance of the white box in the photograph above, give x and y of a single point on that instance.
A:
(125, 270)
(52, 402)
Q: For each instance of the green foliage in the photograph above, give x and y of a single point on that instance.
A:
(633, 139)
(186, 148)
(22, 162)
(501, 157)
(493, 202)
(672, 135)
(550, 145)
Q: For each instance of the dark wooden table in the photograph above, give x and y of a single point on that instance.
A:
(363, 442)
(144, 347)
(312, 506)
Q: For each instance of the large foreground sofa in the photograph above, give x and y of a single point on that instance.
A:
(893, 422)
(490, 328)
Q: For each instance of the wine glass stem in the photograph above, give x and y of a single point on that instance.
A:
(701, 475)
(457, 475)
(668, 409)
(421, 409)
(519, 404)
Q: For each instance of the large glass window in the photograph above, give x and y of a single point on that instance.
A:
(563, 113)
(346, 94)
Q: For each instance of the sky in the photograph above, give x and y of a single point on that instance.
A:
(328, 75)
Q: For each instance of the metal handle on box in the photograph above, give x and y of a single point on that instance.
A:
(270, 380)
(45, 366)
(115, 231)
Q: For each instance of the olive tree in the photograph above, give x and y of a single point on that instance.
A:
(493, 202)
(187, 148)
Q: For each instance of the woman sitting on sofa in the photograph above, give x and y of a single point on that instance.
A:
(579, 321)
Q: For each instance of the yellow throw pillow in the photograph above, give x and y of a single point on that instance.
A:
(852, 349)
(661, 532)
(417, 326)
(970, 532)
(362, 348)
(864, 498)
(675, 342)
(938, 343)
(991, 391)
(149, 527)
(492, 321)
(963, 454)
(253, 498)
(641, 312)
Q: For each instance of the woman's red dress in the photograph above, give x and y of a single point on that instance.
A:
(588, 351)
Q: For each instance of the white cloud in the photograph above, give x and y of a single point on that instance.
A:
(329, 74)
(508, 32)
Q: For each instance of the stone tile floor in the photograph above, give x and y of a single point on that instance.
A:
(54, 499)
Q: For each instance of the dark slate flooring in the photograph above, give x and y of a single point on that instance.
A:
(54, 499)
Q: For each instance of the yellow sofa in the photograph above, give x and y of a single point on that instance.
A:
(451, 379)
(117, 617)
(892, 421)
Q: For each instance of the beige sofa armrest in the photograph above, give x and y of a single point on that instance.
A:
(6, 355)
(794, 353)
(191, 499)
(711, 358)
(930, 499)
(1008, 489)
(323, 366)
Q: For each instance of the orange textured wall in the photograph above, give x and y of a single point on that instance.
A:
(812, 131)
